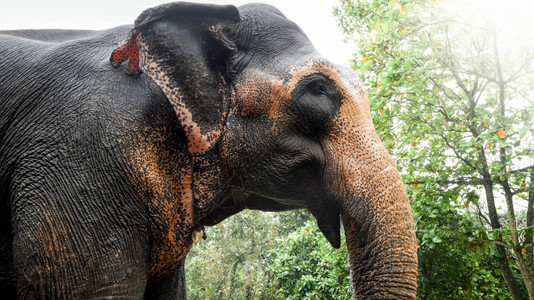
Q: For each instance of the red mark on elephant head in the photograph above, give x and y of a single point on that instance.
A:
(127, 50)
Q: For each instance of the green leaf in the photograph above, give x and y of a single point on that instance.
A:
(523, 131)
(436, 239)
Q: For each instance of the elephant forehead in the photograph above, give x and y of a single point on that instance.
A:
(347, 82)
(262, 93)
(258, 95)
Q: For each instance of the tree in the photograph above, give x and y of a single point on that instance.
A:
(452, 101)
(455, 262)
(305, 266)
(257, 255)
(233, 262)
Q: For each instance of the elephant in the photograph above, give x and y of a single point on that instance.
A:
(118, 147)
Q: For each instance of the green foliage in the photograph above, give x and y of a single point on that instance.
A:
(455, 261)
(450, 99)
(305, 266)
(257, 255)
(231, 263)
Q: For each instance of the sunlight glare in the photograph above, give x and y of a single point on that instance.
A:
(511, 22)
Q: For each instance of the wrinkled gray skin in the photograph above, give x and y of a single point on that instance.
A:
(118, 146)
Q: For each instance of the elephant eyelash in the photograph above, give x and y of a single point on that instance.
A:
(317, 87)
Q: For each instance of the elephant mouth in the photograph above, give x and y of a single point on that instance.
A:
(326, 212)
(229, 207)
(328, 221)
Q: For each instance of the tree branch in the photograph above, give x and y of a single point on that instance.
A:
(522, 169)
(470, 235)
(472, 181)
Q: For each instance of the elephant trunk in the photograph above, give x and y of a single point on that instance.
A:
(376, 213)
(380, 240)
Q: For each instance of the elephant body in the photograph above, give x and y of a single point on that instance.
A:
(87, 151)
(118, 146)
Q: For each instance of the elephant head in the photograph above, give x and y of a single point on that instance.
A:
(271, 125)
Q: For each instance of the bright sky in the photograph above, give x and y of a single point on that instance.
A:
(313, 16)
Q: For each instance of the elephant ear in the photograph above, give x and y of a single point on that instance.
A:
(183, 48)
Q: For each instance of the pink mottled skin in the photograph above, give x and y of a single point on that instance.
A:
(127, 51)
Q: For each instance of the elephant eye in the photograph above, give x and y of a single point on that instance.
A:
(320, 86)
(315, 102)
(317, 87)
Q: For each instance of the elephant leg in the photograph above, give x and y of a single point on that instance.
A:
(7, 278)
(56, 256)
(68, 274)
(171, 286)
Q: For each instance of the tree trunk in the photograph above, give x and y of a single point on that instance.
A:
(507, 274)
(525, 272)
(529, 239)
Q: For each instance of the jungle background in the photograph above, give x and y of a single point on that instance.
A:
(451, 87)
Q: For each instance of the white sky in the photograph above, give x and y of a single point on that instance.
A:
(314, 17)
